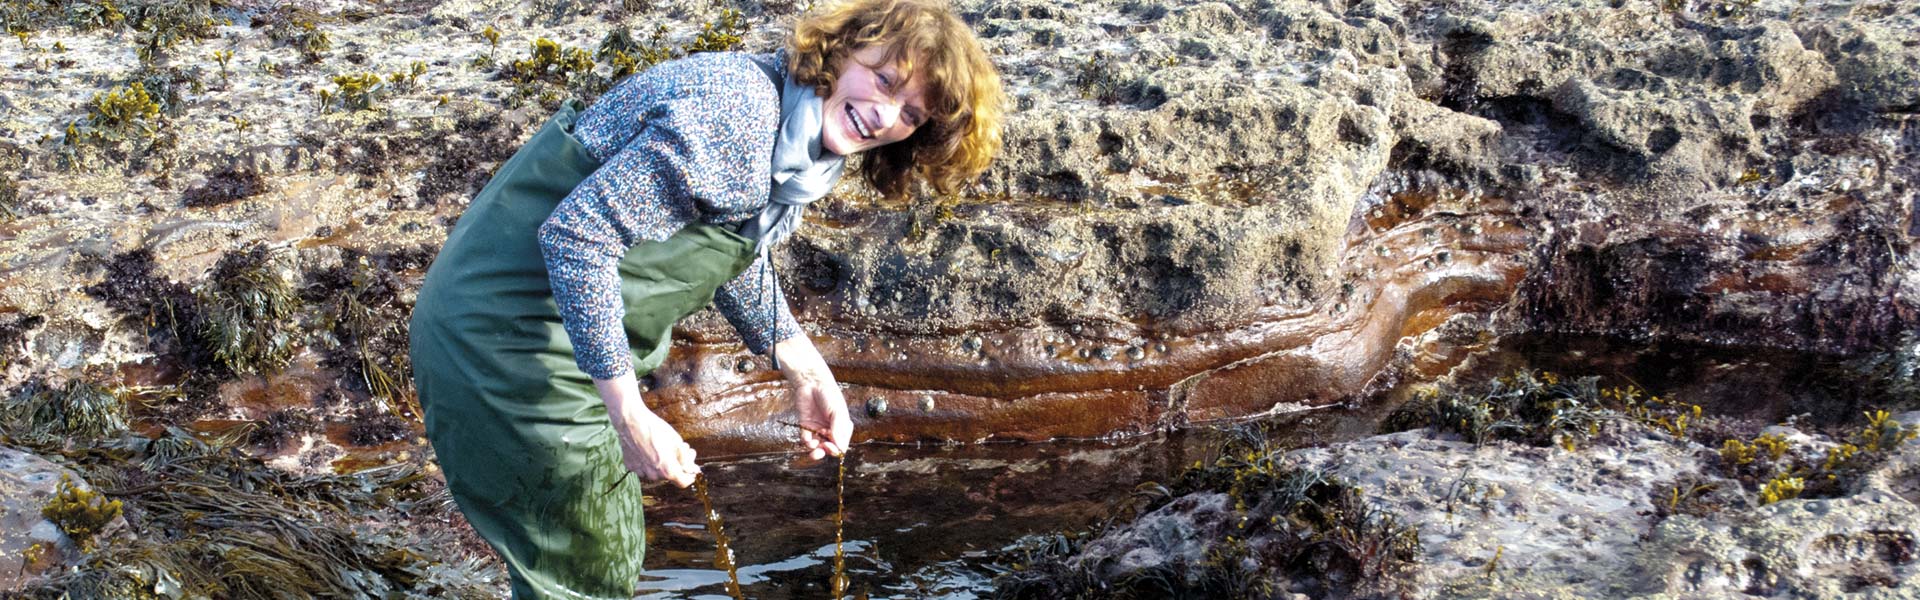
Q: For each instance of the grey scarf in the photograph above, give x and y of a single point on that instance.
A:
(802, 170)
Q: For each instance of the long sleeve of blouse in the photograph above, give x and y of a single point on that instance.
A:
(686, 140)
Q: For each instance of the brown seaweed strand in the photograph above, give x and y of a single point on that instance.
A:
(722, 555)
(839, 524)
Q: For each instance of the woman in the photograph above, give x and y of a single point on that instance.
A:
(562, 282)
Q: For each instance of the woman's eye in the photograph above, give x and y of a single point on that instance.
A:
(886, 83)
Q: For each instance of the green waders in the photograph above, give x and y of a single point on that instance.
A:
(521, 433)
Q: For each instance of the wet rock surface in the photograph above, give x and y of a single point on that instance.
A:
(30, 543)
(1513, 521)
(1202, 210)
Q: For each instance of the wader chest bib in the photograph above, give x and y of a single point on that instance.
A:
(519, 430)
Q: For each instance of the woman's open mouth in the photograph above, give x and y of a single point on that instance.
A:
(859, 127)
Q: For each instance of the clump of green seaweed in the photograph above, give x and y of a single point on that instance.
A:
(352, 92)
(81, 513)
(628, 56)
(1776, 468)
(90, 16)
(1545, 409)
(1540, 409)
(553, 71)
(298, 28)
(247, 305)
(162, 25)
(124, 118)
(210, 522)
(1287, 525)
(131, 123)
(76, 410)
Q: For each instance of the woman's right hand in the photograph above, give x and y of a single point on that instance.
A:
(648, 445)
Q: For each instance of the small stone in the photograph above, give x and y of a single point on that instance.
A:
(876, 407)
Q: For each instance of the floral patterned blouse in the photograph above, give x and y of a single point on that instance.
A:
(686, 140)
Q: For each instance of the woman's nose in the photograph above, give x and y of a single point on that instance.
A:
(889, 113)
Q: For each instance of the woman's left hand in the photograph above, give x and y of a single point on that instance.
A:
(825, 427)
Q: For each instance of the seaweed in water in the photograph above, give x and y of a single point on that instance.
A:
(373, 429)
(722, 552)
(248, 304)
(1541, 409)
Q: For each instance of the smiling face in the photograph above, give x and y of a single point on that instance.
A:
(869, 108)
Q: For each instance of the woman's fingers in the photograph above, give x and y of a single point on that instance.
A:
(840, 426)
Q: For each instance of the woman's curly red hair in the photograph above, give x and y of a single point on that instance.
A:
(963, 92)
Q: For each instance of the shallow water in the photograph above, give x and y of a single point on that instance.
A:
(923, 521)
